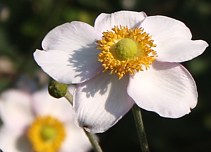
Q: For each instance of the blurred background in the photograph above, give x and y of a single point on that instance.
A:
(24, 23)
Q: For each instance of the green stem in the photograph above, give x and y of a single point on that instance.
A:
(92, 137)
(93, 140)
(69, 97)
(140, 128)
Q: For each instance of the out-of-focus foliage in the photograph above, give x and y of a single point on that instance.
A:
(24, 23)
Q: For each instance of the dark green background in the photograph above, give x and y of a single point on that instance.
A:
(27, 21)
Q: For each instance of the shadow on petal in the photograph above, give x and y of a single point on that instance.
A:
(101, 86)
(85, 62)
(102, 101)
(23, 144)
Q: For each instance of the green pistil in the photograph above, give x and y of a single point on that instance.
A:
(48, 133)
(125, 49)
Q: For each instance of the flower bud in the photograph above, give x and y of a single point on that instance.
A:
(57, 89)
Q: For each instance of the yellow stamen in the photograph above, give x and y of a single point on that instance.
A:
(126, 51)
(46, 134)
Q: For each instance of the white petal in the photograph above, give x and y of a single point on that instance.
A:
(70, 37)
(181, 50)
(173, 39)
(130, 19)
(71, 89)
(101, 102)
(13, 141)
(69, 68)
(70, 54)
(8, 140)
(44, 104)
(15, 109)
(166, 88)
(76, 140)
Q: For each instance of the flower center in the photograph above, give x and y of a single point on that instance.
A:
(126, 51)
(46, 134)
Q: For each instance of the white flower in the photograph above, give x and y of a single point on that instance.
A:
(39, 122)
(126, 58)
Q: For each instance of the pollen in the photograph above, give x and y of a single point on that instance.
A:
(126, 51)
(46, 134)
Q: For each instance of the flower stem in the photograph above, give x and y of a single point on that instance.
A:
(92, 137)
(140, 128)
(93, 140)
(69, 97)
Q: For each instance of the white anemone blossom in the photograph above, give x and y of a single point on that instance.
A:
(126, 58)
(38, 123)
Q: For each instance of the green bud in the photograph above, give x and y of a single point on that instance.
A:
(57, 89)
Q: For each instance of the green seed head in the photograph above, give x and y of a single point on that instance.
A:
(48, 133)
(125, 49)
